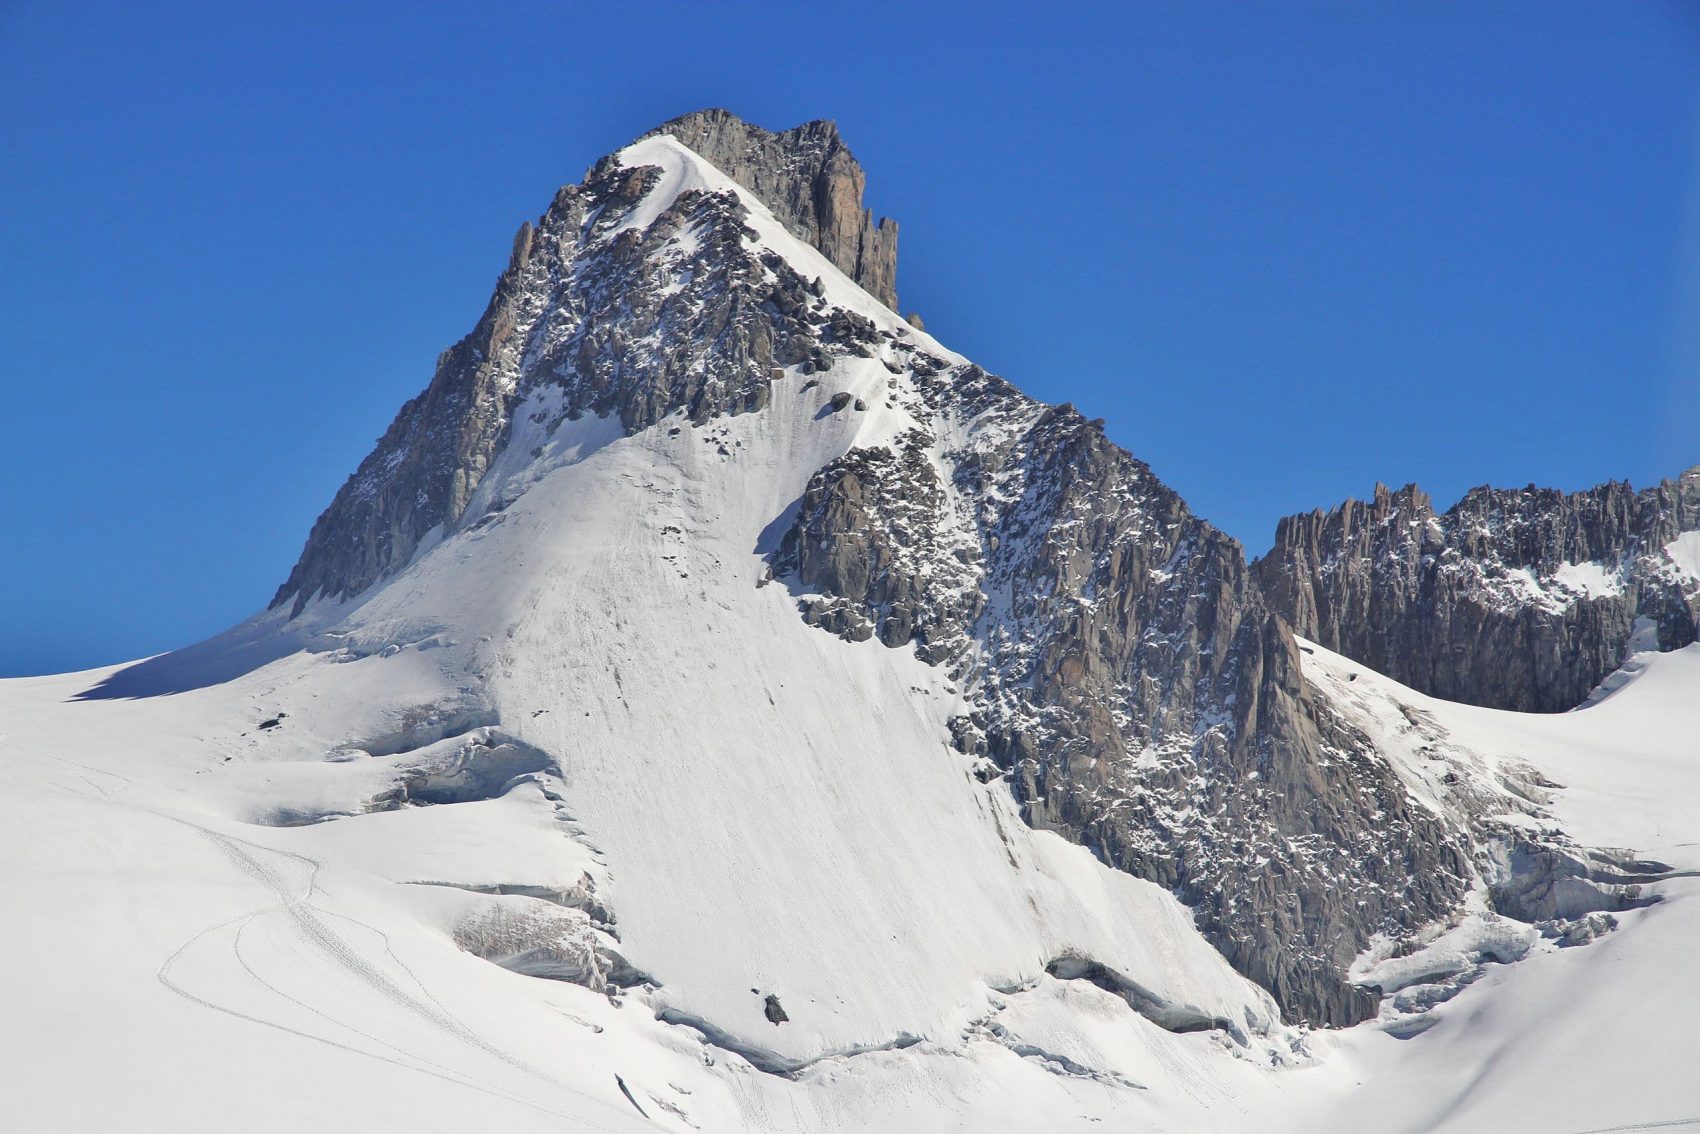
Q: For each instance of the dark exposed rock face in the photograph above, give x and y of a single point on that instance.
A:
(866, 529)
(1514, 598)
(427, 464)
(809, 179)
(1121, 666)
(1127, 677)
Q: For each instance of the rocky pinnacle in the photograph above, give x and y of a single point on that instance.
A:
(810, 180)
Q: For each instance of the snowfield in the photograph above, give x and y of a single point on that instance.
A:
(543, 832)
(762, 807)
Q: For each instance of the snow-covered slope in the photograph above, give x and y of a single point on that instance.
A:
(211, 971)
(587, 701)
(543, 798)
(826, 854)
(1569, 1038)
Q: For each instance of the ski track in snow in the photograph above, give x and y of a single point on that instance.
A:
(308, 923)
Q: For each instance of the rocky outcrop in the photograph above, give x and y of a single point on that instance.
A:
(1514, 598)
(867, 538)
(428, 462)
(1127, 678)
(813, 184)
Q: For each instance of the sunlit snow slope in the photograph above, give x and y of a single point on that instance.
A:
(1599, 1037)
(574, 824)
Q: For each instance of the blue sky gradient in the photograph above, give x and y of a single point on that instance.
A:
(1286, 250)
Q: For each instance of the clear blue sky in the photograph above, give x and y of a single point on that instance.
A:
(1287, 250)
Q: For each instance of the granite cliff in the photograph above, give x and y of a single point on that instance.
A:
(1520, 599)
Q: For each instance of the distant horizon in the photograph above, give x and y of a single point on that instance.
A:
(1286, 253)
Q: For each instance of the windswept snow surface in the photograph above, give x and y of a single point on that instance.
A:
(272, 882)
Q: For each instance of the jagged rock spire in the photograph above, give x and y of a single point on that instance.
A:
(810, 180)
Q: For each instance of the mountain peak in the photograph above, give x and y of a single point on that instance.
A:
(810, 180)
(611, 297)
(676, 348)
(719, 120)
